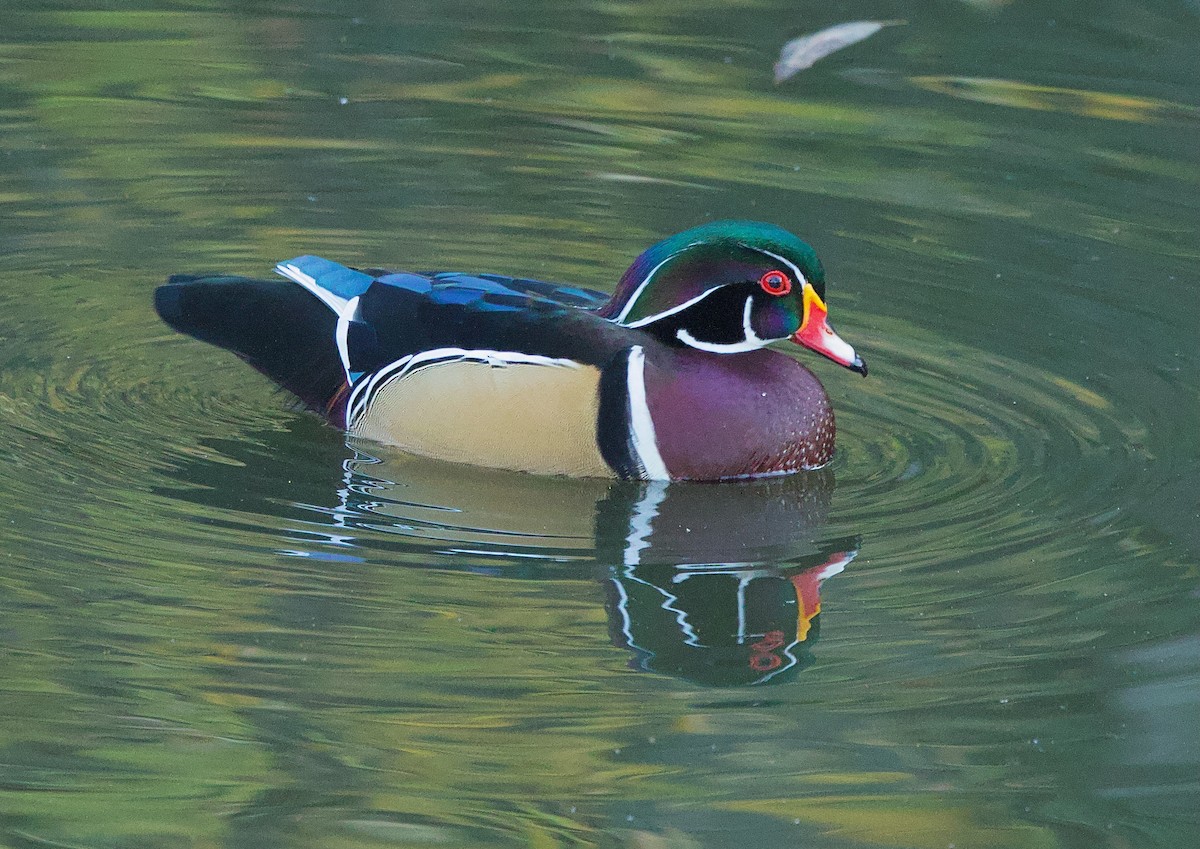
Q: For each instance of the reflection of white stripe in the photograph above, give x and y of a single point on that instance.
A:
(637, 293)
(792, 661)
(623, 608)
(681, 617)
(641, 425)
(750, 342)
(364, 393)
(743, 582)
(800, 278)
(644, 321)
(741, 570)
(641, 523)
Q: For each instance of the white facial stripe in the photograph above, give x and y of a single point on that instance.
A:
(717, 348)
(641, 425)
(652, 318)
(750, 340)
(800, 278)
(637, 293)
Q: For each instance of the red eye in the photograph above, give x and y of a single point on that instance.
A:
(775, 283)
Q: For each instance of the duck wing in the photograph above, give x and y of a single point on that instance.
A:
(333, 327)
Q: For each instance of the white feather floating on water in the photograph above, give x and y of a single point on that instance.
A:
(802, 52)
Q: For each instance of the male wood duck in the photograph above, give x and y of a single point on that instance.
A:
(666, 379)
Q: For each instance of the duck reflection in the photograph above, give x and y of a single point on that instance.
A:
(717, 625)
(718, 584)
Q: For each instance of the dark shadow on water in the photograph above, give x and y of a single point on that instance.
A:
(717, 584)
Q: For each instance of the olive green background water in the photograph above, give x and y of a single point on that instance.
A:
(223, 626)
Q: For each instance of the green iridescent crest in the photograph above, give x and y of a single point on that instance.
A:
(690, 264)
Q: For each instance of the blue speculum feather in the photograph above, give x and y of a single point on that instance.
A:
(336, 278)
(488, 291)
(418, 283)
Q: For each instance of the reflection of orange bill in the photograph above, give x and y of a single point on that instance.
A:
(808, 589)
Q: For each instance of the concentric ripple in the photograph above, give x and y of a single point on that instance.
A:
(945, 450)
(975, 453)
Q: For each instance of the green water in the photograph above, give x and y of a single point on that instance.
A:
(223, 626)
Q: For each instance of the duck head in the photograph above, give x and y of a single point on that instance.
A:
(728, 287)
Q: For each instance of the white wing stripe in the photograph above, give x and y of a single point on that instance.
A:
(291, 272)
(345, 316)
(363, 394)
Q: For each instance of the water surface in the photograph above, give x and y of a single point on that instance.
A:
(224, 625)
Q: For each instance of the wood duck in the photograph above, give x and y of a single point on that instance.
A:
(667, 379)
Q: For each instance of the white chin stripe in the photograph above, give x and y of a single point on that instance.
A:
(716, 348)
(750, 340)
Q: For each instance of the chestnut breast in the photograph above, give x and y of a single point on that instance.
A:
(735, 415)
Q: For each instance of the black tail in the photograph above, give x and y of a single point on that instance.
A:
(275, 326)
